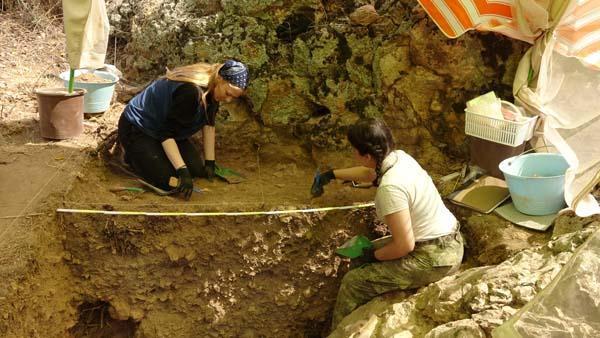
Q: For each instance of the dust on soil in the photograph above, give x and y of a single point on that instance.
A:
(221, 276)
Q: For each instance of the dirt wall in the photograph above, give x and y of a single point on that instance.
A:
(223, 276)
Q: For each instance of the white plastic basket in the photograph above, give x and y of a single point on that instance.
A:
(510, 133)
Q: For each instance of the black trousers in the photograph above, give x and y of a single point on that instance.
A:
(148, 159)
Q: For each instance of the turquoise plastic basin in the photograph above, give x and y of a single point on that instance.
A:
(98, 95)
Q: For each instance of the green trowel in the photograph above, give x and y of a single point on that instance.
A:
(354, 247)
(229, 175)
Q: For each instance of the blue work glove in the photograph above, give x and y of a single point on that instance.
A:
(320, 180)
(185, 184)
(209, 168)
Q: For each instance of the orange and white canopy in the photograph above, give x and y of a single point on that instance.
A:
(578, 33)
(455, 17)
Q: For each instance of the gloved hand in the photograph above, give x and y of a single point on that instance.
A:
(209, 167)
(321, 180)
(368, 256)
(185, 184)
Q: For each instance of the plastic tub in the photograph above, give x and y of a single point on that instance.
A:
(536, 182)
(502, 131)
(98, 96)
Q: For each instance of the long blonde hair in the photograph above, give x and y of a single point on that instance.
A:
(201, 74)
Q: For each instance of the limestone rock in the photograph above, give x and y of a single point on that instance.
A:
(569, 305)
(470, 303)
(284, 105)
(391, 60)
(177, 253)
(569, 222)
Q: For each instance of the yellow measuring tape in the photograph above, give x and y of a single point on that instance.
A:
(196, 214)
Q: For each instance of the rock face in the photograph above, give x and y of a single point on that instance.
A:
(469, 304)
(318, 66)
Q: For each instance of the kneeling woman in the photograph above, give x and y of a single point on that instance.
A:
(156, 125)
(426, 243)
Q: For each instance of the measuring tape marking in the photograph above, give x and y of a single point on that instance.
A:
(197, 214)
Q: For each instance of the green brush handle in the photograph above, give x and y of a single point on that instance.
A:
(71, 80)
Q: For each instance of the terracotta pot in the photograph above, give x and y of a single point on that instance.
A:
(61, 113)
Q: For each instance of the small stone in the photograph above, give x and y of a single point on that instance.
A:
(523, 294)
(509, 310)
(501, 296)
(364, 15)
(174, 252)
(479, 297)
(119, 309)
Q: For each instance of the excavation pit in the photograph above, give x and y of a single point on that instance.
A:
(222, 274)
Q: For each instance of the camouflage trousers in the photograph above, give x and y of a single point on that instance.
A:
(429, 262)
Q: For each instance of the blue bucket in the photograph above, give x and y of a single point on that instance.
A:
(536, 182)
(98, 95)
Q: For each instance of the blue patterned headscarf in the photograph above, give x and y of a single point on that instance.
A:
(235, 73)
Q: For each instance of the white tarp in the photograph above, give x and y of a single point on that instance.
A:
(568, 95)
(86, 28)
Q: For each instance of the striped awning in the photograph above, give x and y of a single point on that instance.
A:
(455, 17)
(578, 33)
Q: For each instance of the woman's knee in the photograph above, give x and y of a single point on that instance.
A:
(153, 168)
(351, 281)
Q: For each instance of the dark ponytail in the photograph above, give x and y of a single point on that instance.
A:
(373, 137)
